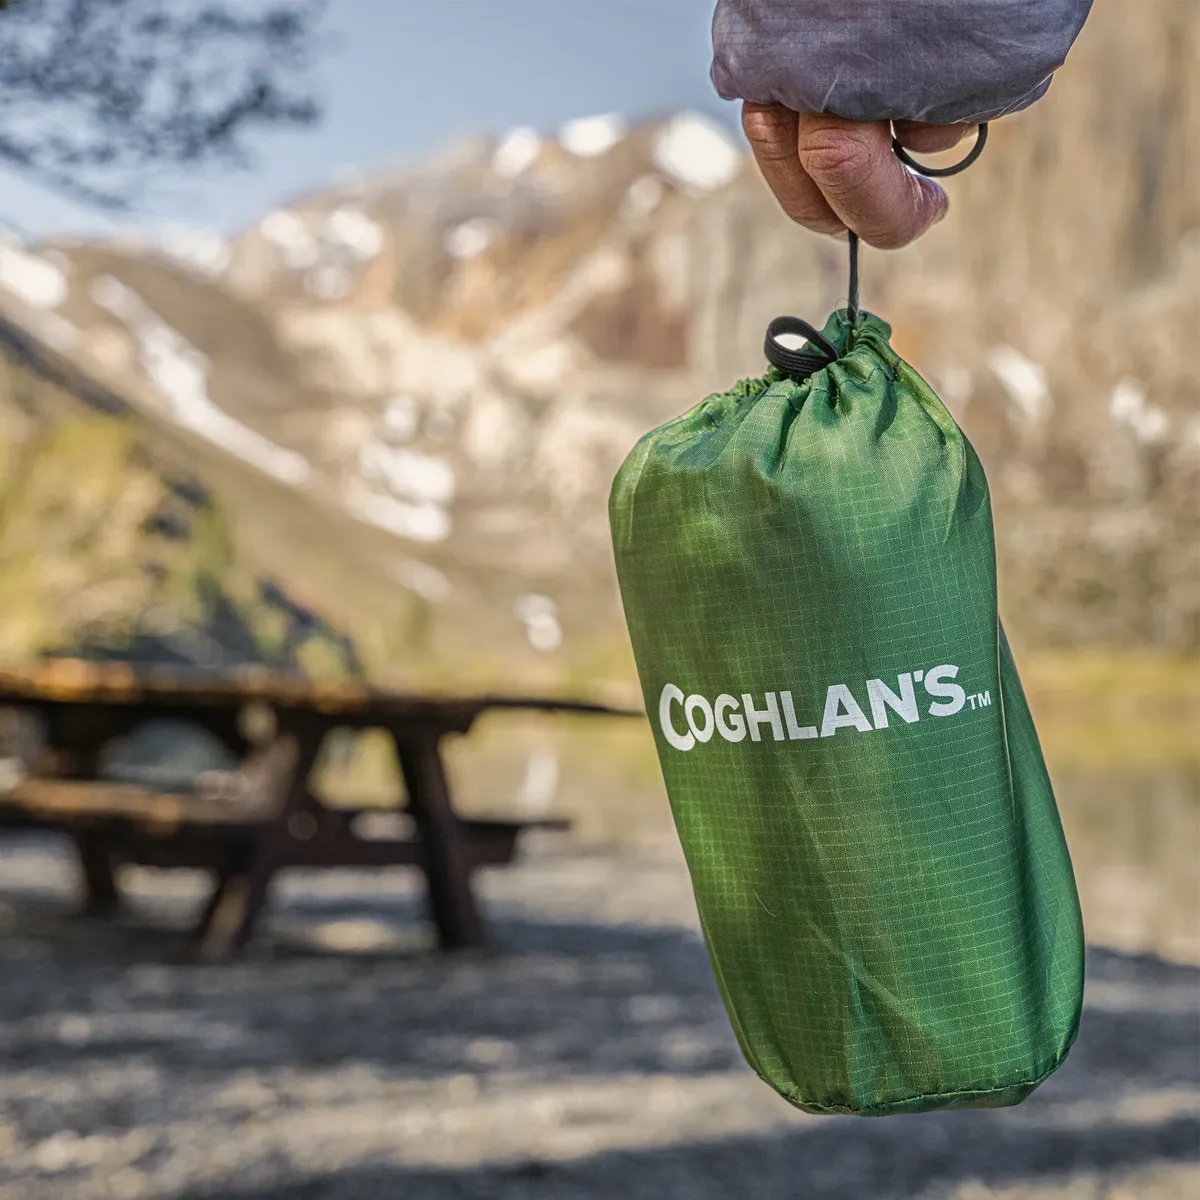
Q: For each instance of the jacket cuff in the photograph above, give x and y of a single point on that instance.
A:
(940, 61)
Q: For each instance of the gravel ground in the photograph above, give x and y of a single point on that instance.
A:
(584, 1055)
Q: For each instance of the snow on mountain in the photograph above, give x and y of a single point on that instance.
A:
(417, 522)
(198, 250)
(1023, 380)
(696, 153)
(353, 230)
(590, 137)
(470, 238)
(33, 278)
(181, 373)
(516, 152)
(1128, 406)
(290, 235)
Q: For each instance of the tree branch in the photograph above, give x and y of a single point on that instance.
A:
(96, 94)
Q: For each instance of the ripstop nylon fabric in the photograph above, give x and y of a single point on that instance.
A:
(808, 574)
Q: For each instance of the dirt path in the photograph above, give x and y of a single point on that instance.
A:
(585, 1055)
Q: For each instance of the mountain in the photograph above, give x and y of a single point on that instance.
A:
(113, 547)
(407, 394)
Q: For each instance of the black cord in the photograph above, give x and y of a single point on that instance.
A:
(943, 172)
(800, 364)
(852, 294)
(933, 173)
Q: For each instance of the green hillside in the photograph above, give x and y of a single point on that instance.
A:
(110, 550)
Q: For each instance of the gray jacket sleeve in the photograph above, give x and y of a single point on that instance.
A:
(869, 60)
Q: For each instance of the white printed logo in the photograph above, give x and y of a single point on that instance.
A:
(734, 717)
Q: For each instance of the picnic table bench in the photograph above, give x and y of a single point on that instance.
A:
(274, 821)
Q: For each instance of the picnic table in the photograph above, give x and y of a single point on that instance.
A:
(275, 821)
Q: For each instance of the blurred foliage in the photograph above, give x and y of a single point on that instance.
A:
(97, 93)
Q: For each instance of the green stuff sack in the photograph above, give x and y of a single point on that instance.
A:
(808, 573)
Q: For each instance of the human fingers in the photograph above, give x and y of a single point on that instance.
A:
(773, 132)
(864, 183)
(929, 139)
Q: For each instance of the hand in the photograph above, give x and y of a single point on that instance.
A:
(830, 174)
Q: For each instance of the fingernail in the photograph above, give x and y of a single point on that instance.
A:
(941, 201)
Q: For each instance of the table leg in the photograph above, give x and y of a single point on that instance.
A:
(239, 897)
(101, 898)
(443, 858)
(84, 741)
(208, 924)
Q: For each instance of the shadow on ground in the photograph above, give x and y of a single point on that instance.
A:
(564, 1005)
(905, 1160)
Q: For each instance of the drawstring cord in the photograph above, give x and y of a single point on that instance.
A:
(852, 291)
(799, 364)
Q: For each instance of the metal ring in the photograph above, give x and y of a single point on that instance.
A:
(942, 172)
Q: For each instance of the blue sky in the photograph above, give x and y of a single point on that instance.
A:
(400, 78)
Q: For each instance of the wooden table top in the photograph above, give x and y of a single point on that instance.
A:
(66, 681)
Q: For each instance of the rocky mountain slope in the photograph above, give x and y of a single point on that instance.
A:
(410, 393)
(113, 546)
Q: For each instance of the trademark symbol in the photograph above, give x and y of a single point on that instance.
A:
(980, 699)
